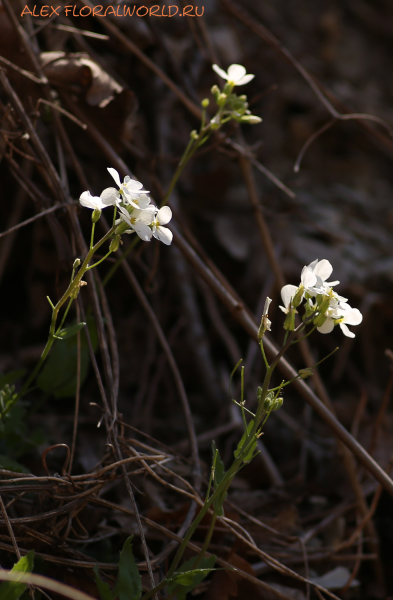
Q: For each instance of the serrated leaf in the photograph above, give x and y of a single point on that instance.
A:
(12, 590)
(243, 441)
(189, 578)
(102, 587)
(68, 332)
(129, 581)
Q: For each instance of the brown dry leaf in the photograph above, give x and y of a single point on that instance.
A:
(65, 69)
(229, 584)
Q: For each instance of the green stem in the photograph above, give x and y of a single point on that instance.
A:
(92, 235)
(190, 150)
(65, 315)
(100, 261)
(69, 293)
(263, 354)
(222, 488)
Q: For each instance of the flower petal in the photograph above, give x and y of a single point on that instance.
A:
(313, 264)
(115, 175)
(143, 201)
(323, 269)
(353, 317)
(219, 71)
(327, 327)
(288, 292)
(143, 231)
(164, 215)
(163, 234)
(85, 199)
(307, 277)
(89, 201)
(346, 331)
(125, 215)
(236, 72)
(245, 79)
(109, 196)
(144, 216)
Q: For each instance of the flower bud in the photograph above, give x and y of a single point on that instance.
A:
(205, 102)
(267, 404)
(194, 134)
(215, 91)
(259, 394)
(96, 215)
(323, 303)
(114, 245)
(222, 98)
(251, 119)
(215, 123)
(77, 262)
(277, 403)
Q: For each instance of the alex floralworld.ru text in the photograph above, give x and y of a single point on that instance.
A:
(121, 10)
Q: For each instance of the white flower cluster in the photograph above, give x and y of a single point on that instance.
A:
(135, 208)
(329, 309)
(230, 105)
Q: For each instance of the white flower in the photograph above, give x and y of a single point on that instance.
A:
(128, 191)
(287, 294)
(236, 74)
(94, 202)
(341, 315)
(321, 269)
(161, 233)
(139, 221)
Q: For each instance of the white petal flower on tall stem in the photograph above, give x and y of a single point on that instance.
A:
(321, 269)
(128, 191)
(139, 220)
(161, 233)
(236, 74)
(95, 202)
(342, 315)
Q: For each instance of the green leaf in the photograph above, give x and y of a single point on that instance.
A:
(219, 471)
(102, 587)
(219, 474)
(68, 332)
(189, 579)
(58, 376)
(11, 377)
(242, 442)
(129, 581)
(11, 465)
(12, 590)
